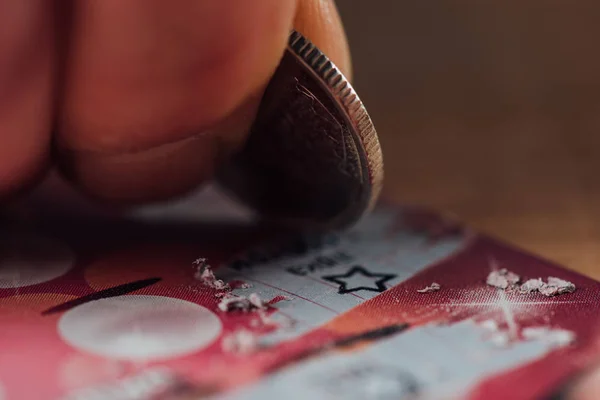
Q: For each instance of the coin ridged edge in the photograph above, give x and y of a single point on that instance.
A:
(349, 100)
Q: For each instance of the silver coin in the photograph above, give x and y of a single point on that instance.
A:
(312, 159)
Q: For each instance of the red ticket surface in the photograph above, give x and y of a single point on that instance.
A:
(112, 308)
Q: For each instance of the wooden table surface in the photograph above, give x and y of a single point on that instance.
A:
(490, 111)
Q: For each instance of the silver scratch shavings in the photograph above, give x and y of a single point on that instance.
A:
(200, 263)
(561, 285)
(554, 286)
(531, 285)
(208, 278)
(434, 287)
(241, 303)
(205, 275)
(502, 279)
(506, 280)
(241, 341)
(230, 303)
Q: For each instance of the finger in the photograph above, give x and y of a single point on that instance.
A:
(26, 89)
(588, 388)
(320, 22)
(157, 91)
(159, 95)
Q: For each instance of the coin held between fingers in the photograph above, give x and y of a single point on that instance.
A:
(313, 159)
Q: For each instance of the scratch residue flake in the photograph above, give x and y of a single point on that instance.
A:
(256, 301)
(503, 279)
(532, 285)
(205, 275)
(558, 286)
(554, 286)
(241, 303)
(434, 287)
(506, 280)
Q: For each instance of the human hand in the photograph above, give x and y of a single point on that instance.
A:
(140, 100)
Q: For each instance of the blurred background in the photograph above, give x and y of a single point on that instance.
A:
(491, 111)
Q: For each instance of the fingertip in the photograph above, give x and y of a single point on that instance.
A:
(588, 387)
(320, 22)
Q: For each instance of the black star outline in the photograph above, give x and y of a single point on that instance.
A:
(357, 269)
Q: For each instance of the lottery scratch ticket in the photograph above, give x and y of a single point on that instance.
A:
(113, 309)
